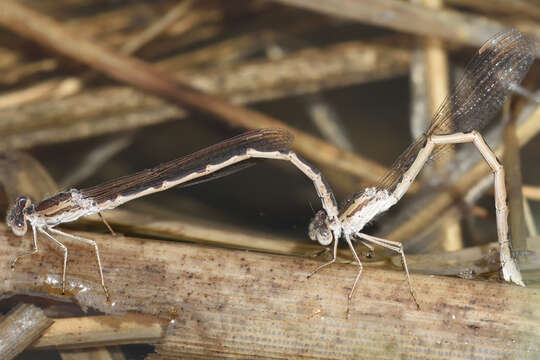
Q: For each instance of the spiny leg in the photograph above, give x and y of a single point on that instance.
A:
(93, 243)
(31, 252)
(397, 247)
(62, 246)
(334, 256)
(106, 223)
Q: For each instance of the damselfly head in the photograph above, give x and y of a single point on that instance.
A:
(16, 218)
(319, 229)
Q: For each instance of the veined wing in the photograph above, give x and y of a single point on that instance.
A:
(498, 66)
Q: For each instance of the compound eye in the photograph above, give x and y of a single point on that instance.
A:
(18, 225)
(16, 218)
(19, 222)
(324, 237)
(319, 229)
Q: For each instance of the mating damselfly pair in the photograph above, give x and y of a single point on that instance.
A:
(493, 74)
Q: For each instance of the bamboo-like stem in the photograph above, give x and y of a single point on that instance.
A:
(157, 28)
(220, 298)
(506, 7)
(87, 354)
(22, 326)
(82, 116)
(46, 31)
(531, 192)
(514, 183)
(408, 17)
(98, 331)
(438, 84)
(334, 66)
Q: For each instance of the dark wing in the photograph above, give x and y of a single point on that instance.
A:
(498, 66)
(193, 164)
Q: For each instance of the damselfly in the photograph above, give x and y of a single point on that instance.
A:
(212, 162)
(495, 71)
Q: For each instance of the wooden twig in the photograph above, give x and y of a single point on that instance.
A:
(245, 304)
(470, 262)
(46, 31)
(22, 326)
(531, 192)
(183, 227)
(18, 174)
(306, 71)
(438, 85)
(134, 44)
(408, 17)
(87, 354)
(88, 114)
(342, 64)
(96, 159)
(98, 331)
(512, 168)
(506, 7)
(110, 28)
(158, 27)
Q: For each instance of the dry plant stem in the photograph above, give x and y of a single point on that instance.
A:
(327, 121)
(45, 31)
(102, 353)
(95, 159)
(342, 64)
(225, 51)
(18, 174)
(158, 27)
(135, 43)
(474, 261)
(30, 94)
(306, 71)
(116, 353)
(15, 71)
(202, 232)
(419, 114)
(531, 192)
(22, 326)
(207, 232)
(60, 88)
(98, 331)
(437, 84)
(529, 219)
(514, 183)
(248, 293)
(506, 7)
(408, 17)
(86, 354)
(88, 114)
(109, 28)
(125, 109)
